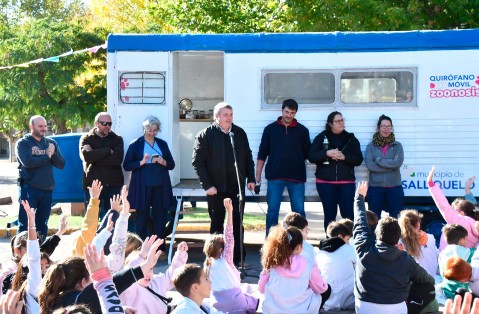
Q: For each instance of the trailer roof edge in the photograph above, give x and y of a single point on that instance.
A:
(299, 42)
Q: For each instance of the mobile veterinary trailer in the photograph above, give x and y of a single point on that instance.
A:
(426, 81)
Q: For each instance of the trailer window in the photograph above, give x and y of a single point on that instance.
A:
(379, 86)
(142, 88)
(304, 87)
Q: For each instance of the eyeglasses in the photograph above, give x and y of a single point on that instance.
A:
(152, 131)
(338, 121)
(104, 123)
(386, 127)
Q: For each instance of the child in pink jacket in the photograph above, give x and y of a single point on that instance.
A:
(142, 295)
(462, 216)
(290, 283)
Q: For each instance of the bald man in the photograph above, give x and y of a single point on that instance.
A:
(36, 156)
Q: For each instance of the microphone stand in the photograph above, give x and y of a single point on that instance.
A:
(243, 273)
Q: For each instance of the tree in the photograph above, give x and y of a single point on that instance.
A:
(120, 16)
(66, 93)
(218, 16)
(379, 15)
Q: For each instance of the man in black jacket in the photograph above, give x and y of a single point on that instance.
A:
(102, 153)
(213, 161)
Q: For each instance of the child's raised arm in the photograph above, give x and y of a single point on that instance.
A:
(467, 190)
(229, 238)
(118, 243)
(90, 222)
(102, 280)
(34, 276)
(229, 210)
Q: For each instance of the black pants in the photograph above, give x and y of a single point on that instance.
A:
(217, 213)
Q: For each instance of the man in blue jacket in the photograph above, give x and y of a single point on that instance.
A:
(285, 144)
(37, 155)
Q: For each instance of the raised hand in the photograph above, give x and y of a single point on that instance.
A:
(431, 174)
(228, 203)
(30, 213)
(182, 246)
(145, 248)
(469, 184)
(93, 260)
(124, 199)
(111, 223)
(153, 256)
(63, 225)
(95, 189)
(460, 307)
(115, 202)
(362, 188)
(10, 303)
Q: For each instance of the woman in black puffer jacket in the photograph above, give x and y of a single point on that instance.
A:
(335, 152)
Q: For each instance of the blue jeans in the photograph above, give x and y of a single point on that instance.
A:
(274, 196)
(333, 195)
(42, 202)
(387, 199)
(106, 193)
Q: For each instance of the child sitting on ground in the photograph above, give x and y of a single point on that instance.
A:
(336, 260)
(148, 295)
(455, 236)
(457, 274)
(419, 244)
(296, 220)
(228, 294)
(288, 282)
(192, 282)
(464, 215)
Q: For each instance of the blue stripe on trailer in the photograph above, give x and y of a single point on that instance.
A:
(299, 42)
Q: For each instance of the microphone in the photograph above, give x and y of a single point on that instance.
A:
(232, 137)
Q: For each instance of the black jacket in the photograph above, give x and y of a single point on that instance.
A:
(100, 163)
(209, 157)
(336, 170)
(384, 273)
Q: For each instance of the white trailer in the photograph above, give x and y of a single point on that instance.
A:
(426, 81)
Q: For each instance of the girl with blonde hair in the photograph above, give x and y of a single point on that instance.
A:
(419, 244)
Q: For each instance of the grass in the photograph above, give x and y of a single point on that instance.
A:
(73, 221)
(251, 222)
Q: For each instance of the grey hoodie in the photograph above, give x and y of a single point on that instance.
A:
(384, 170)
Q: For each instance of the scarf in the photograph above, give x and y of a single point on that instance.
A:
(380, 141)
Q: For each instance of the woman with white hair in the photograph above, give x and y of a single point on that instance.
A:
(149, 159)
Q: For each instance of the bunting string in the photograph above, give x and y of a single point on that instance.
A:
(56, 58)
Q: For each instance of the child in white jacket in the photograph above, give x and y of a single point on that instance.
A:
(228, 294)
(336, 259)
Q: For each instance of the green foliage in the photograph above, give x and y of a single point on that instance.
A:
(381, 15)
(218, 16)
(62, 92)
